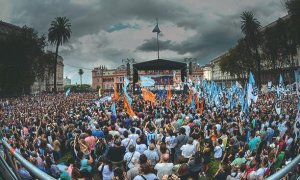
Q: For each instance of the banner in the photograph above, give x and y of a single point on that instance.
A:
(148, 95)
(278, 106)
(128, 107)
(68, 92)
(113, 109)
(169, 95)
(146, 81)
(116, 95)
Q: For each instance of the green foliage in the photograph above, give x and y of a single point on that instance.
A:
(66, 158)
(250, 28)
(22, 61)
(213, 168)
(79, 88)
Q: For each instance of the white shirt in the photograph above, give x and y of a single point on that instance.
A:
(218, 152)
(163, 169)
(171, 142)
(126, 143)
(106, 173)
(187, 150)
(130, 161)
(141, 148)
(187, 130)
(133, 138)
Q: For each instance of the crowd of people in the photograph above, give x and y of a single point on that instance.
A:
(158, 143)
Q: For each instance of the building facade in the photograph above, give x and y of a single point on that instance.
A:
(107, 79)
(47, 84)
(268, 73)
(67, 81)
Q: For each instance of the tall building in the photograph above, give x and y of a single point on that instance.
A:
(47, 84)
(106, 79)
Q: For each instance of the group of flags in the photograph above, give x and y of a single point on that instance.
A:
(202, 91)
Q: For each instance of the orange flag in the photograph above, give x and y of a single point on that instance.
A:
(201, 106)
(116, 95)
(148, 95)
(128, 107)
(169, 95)
(190, 96)
(197, 101)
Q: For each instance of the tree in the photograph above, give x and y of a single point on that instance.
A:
(80, 72)
(22, 61)
(59, 33)
(250, 28)
(238, 61)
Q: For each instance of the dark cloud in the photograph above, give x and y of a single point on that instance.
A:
(121, 26)
(151, 45)
(97, 24)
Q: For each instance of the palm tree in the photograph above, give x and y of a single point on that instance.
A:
(80, 72)
(250, 28)
(59, 33)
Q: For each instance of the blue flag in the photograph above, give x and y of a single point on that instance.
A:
(146, 81)
(68, 92)
(113, 109)
(127, 95)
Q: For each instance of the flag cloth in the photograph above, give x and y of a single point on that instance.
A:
(128, 107)
(238, 85)
(156, 29)
(252, 91)
(127, 95)
(269, 86)
(99, 92)
(146, 81)
(116, 95)
(278, 106)
(298, 103)
(189, 98)
(197, 101)
(68, 92)
(169, 95)
(126, 81)
(148, 95)
(201, 106)
(113, 109)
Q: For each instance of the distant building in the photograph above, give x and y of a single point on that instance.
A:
(67, 81)
(106, 79)
(207, 72)
(47, 84)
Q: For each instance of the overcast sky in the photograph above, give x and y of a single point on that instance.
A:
(106, 31)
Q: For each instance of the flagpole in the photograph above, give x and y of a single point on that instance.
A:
(157, 40)
(157, 46)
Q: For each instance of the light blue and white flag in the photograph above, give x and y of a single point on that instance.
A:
(127, 95)
(252, 91)
(278, 106)
(280, 87)
(113, 109)
(68, 92)
(146, 81)
(126, 81)
(269, 86)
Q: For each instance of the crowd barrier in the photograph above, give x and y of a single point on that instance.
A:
(285, 170)
(11, 156)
